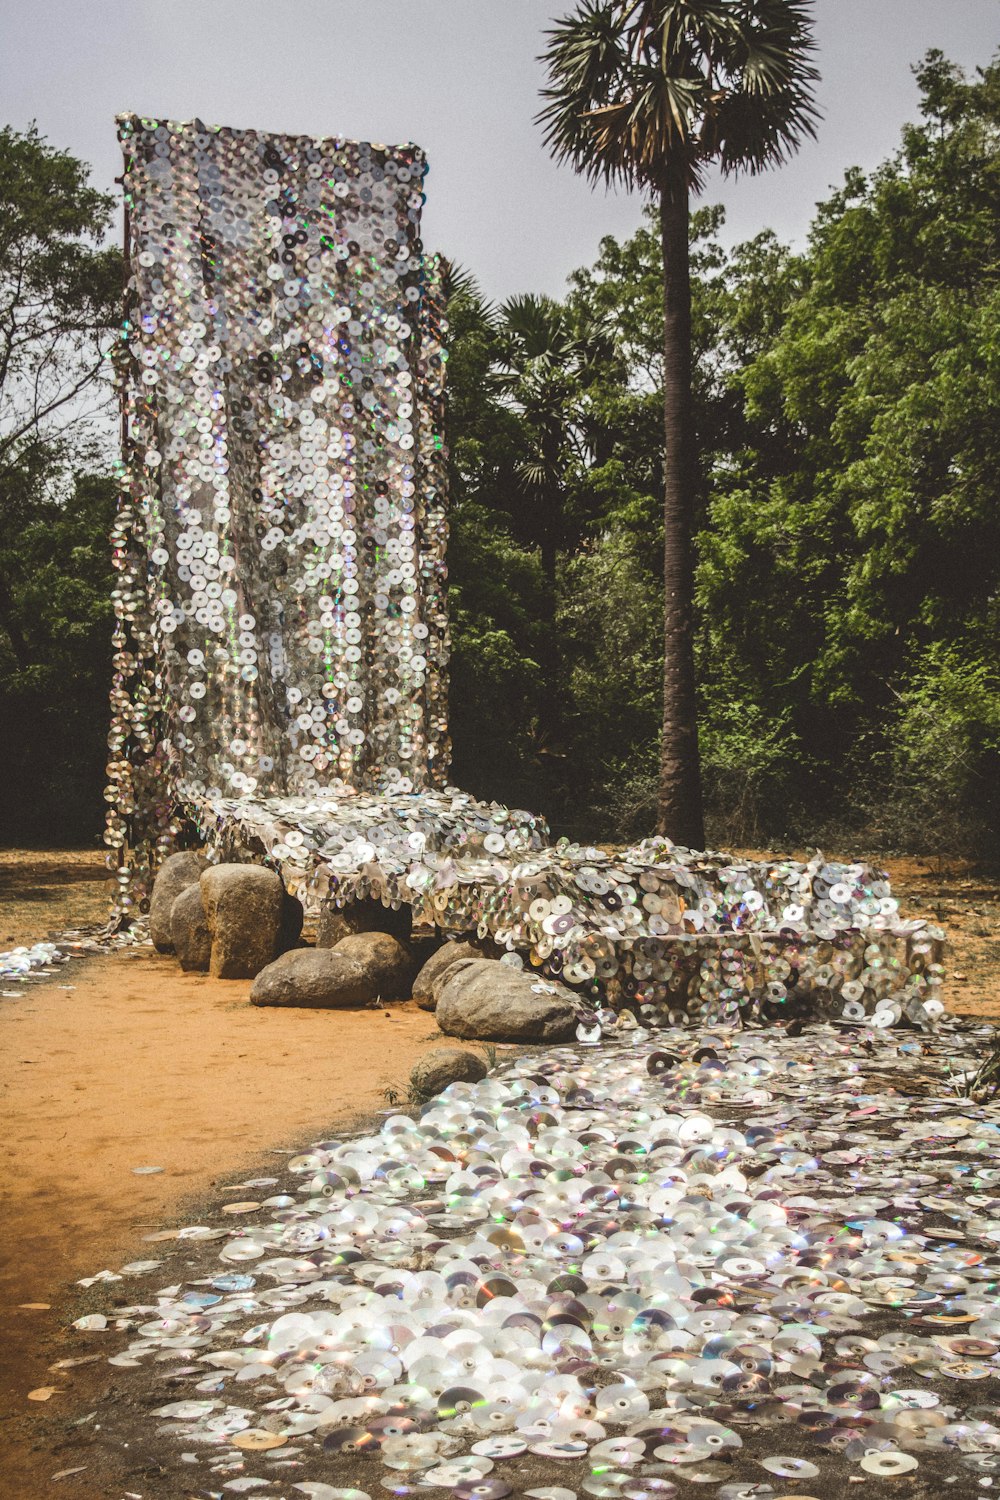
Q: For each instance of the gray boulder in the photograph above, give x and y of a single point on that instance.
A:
(494, 1003)
(177, 873)
(337, 922)
(445, 1065)
(388, 966)
(192, 941)
(312, 977)
(243, 907)
(431, 976)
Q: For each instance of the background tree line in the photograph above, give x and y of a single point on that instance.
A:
(847, 414)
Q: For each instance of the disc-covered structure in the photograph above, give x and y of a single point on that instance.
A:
(281, 537)
(281, 655)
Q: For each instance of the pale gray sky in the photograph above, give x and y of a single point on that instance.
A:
(460, 78)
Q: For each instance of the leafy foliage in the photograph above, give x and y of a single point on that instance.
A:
(55, 653)
(59, 290)
(850, 547)
(643, 89)
(847, 407)
(650, 93)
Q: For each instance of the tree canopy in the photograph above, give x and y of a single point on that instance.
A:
(60, 295)
(847, 407)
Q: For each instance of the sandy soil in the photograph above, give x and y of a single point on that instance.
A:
(966, 903)
(43, 892)
(122, 1062)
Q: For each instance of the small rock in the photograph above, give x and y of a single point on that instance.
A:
(243, 907)
(312, 977)
(337, 922)
(177, 873)
(428, 981)
(445, 1065)
(493, 1003)
(386, 963)
(192, 941)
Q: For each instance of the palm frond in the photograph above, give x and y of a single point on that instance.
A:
(646, 91)
(458, 281)
(464, 298)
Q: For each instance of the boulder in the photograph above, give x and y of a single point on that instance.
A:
(313, 977)
(387, 965)
(337, 922)
(428, 981)
(177, 873)
(445, 1065)
(192, 941)
(243, 906)
(492, 1002)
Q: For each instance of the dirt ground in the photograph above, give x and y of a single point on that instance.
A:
(966, 903)
(44, 892)
(120, 1062)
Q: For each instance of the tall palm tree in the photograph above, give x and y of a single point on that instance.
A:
(649, 94)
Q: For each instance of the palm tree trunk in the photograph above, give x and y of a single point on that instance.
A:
(550, 714)
(680, 807)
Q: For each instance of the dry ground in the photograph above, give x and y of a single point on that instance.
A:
(43, 892)
(121, 1061)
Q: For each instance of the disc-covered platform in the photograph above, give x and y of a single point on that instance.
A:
(707, 935)
(280, 687)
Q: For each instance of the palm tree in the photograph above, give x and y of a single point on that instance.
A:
(648, 94)
(537, 365)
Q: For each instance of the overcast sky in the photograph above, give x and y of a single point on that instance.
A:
(459, 77)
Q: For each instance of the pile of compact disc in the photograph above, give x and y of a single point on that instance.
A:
(282, 640)
(40, 958)
(718, 1257)
(664, 930)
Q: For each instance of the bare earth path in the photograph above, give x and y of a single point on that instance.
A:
(141, 1065)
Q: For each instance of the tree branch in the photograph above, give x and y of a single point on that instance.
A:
(39, 414)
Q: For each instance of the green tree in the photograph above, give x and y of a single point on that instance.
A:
(498, 598)
(60, 292)
(59, 301)
(849, 577)
(55, 653)
(649, 93)
(536, 369)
